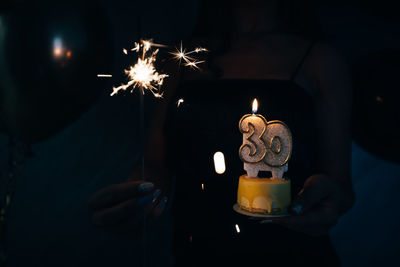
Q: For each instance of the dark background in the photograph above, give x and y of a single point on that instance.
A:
(99, 147)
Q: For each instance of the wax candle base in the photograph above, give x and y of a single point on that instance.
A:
(263, 195)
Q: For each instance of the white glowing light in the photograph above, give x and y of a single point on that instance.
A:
(237, 228)
(104, 75)
(202, 186)
(219, 162)
(180, 101)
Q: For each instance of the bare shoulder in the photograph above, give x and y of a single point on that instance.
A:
(328, 68)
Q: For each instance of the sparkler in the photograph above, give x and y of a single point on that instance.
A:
(144, 75)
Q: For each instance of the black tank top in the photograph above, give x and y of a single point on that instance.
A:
(205, 230)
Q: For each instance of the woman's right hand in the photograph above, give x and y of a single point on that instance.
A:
(120, 208)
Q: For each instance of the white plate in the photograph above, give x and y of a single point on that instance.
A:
(237, 208)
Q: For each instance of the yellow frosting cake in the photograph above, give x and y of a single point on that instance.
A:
(263, 195)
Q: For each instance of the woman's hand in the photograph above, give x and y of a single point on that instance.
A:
(121, 208)
(317, 206)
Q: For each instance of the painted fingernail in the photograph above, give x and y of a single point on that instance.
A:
(146, 187)
(297, 209)
(156, 195)
(163, 203)
(145, 200)
(266, 221)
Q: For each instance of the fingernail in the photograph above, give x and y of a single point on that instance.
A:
(266, 221)
(145, 200)
(163, 202)
(146, 187)
(297, 209)
(156, 195)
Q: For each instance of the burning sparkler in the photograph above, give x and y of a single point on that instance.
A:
(144, 74)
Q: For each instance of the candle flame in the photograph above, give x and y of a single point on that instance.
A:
(255, 105)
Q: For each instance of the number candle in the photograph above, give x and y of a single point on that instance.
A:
(267, 146)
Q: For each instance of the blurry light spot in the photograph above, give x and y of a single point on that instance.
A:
(190, 239)
(104, 75)
(202, 186)
(379, 99)
(237, 228)
(125, 51)
(57, 47)
(180, 101)
(219, 162)
(68, 54)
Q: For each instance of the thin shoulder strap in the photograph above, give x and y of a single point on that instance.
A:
(298, 67)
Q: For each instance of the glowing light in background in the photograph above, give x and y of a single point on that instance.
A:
(57, 47)
(202, 187)
(237, 228)
(60, 51)
(180, 101)
(104, 75)
(219, 162)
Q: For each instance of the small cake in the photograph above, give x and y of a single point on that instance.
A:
(263, 195)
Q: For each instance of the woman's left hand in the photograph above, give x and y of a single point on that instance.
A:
(317, 206)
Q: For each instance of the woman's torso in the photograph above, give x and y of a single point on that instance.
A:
(207, 122)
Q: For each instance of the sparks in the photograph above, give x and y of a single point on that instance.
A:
(104, 75)
(180, 101)
(181, 54)
(143, 74)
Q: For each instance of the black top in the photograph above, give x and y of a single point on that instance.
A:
(207, 122)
